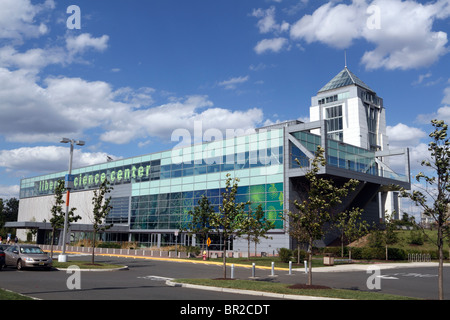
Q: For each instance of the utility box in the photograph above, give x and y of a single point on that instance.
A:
(328, 259)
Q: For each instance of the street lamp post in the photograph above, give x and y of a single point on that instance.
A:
(68, 185)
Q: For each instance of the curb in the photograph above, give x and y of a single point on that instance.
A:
(247, 292)
(93, 270)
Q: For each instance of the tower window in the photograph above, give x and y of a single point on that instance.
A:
(334, 119)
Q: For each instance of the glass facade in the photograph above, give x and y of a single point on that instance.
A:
(170, 210)
(341, 155)
(165, 186)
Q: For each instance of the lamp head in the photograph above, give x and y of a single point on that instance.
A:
(80, 143)
(65, 140)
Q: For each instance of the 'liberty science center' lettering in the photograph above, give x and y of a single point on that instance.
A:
(94, 179)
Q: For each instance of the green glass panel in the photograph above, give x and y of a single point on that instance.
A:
(257, 189)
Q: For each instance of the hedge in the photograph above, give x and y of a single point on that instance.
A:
(371, 253)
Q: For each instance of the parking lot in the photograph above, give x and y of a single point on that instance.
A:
(144, 279)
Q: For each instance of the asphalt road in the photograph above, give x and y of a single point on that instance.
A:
(145, 280)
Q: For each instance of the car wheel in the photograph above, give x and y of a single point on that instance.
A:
(19, 265)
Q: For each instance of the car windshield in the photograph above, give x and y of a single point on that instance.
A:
(31, 250)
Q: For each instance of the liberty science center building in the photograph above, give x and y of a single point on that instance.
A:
(153, 193)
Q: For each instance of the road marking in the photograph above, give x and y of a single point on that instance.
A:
(155, 278)
(387, 277)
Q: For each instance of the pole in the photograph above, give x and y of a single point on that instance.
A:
(63, 257)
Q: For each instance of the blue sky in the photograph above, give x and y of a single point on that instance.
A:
(137, 70)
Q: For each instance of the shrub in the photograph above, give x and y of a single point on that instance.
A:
(195, 251)
(416, 237)
(303, 255)
(284, 254)
(376, 239)
(113, 245)
(397, 254)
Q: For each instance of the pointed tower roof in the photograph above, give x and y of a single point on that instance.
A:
(345, 78)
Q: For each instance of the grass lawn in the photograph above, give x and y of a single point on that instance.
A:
(283, 289)
(85, 265)
(9, 295)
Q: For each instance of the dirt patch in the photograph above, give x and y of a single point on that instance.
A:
(305, 286)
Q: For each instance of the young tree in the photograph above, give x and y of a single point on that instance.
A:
(100, 211)
(201, 219)
(351, 227)
(254, 226)
(314, 210)
(58, 216)
(435, 202)
(228, 220)
(259, 225)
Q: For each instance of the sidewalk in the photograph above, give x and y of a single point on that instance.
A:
(382, 266)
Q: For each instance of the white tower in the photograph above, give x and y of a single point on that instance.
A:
(355, 115)
(354, 112)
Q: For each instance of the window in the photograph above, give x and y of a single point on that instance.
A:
(335, 125)
(372, 124)
(119, 211)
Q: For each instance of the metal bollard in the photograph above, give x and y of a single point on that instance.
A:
(253, 270)
(306, 266)
(232, 271)
(273, 269)
(290, 267)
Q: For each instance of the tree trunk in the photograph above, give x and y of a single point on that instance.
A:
(310, 262)
(224, 258)
(93, 248)
(441, 264)
(52, 241)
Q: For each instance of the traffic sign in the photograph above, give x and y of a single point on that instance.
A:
(208, 242)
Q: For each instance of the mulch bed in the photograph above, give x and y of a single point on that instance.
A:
(305, 286)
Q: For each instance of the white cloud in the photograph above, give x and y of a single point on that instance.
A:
(71, 106)
(161, 121)
(402, 135)
(274, 45)
(46, 159)
(267, 22)
(403, 39)
(7, 192)
(233, 82)
(443, 113)
(85, 41)
(33, 59)
(17, 19)
(446, 99)
(334, 25)
(422, 77)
